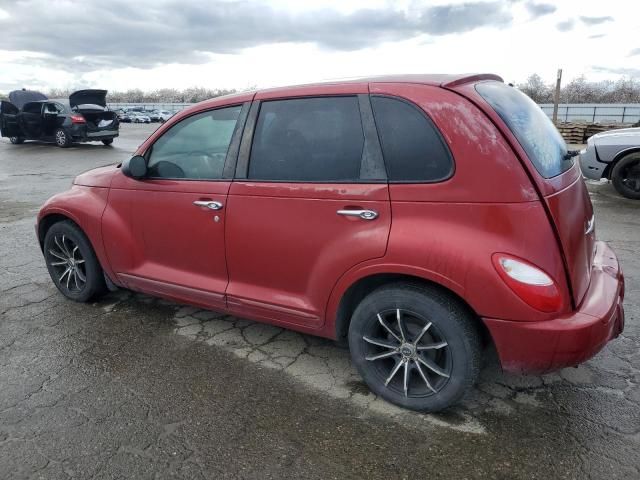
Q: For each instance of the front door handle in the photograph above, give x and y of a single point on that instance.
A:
(213, 205)
(363, 214)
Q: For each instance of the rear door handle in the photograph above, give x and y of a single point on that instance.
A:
(213, 205)
(363, 214)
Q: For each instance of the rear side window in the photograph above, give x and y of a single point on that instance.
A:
(308, 139)
(413, 148)
(535, 132)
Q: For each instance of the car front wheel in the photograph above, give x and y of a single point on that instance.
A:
(107, 141)
(416, 346)
(72, 263)
(16, 140)
(626, 176)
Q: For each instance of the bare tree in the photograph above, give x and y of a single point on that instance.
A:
(535, 88)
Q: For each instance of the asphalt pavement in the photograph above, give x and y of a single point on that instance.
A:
(137, 387)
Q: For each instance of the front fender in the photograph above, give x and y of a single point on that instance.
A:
(84, 206)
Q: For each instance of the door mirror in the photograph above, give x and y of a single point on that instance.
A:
(135, 167)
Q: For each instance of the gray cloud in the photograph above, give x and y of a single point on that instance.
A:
(87, 35)
(596, 20)
(634, 52)
(631, 72)
(566, 25)
(597, 35)
(539, 9)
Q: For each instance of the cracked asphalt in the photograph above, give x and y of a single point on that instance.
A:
(136, 387)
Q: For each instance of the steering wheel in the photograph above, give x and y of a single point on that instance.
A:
(210, 164)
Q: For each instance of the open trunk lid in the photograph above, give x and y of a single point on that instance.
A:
(552, 168)
(88, 97)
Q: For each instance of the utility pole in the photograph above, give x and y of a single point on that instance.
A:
(556, 97)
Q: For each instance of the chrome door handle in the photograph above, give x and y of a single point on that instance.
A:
(208, 203)
(363, 214)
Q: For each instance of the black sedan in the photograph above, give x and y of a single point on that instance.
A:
(83, 117)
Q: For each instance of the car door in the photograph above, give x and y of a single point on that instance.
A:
(9, 120)
(31, 119)
(310, 201)
(164, 234)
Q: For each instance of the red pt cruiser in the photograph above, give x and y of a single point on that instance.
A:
(420, 218)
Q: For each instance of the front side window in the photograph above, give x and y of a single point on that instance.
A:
(308, 139)
(535, 132)
(413, 148)
(195, 148)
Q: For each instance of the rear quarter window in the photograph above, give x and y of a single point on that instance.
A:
(535, 132)
(412, 147)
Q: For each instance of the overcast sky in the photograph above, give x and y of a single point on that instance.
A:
(150, 44)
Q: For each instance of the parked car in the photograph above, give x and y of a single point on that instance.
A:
(83, 117)
(614, 155)
(139, 117)
(154, 115)
(165, 115)
(125, 118)
(453, 221)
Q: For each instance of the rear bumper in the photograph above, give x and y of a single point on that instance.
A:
(570, 339)
(80, 133)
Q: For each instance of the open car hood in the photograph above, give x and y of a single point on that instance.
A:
(20, 97)
(88, 97)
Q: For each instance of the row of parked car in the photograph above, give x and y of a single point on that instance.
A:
(143, 116)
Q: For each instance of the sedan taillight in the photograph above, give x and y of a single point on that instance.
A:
(528, 282)
(77, 119)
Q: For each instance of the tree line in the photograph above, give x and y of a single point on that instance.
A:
(163, 95)
(580, 90)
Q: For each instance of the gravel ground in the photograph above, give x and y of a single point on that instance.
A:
(136, 387)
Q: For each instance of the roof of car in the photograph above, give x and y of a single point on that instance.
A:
(433, 79)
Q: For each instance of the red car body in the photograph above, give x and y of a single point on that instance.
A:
(278, 253)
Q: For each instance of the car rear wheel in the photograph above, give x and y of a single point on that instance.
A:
(107, 141)
(62, 138)
(626, 176)
(415, 346)
(16, 140)
(72, 263)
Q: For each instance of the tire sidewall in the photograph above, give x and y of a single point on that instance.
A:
(445, 316)
(616, 177)
(93, 271)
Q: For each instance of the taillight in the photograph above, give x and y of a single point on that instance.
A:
(528, 282)
(77, 119)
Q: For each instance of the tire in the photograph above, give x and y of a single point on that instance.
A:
(81, 279)
(107, 141)
(16, 140)
(63, 139)
(438, 376)
(625, 176)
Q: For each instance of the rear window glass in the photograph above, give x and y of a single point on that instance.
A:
(412, 147)
(539, 138)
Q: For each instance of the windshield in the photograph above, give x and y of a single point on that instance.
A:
(539, 138)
